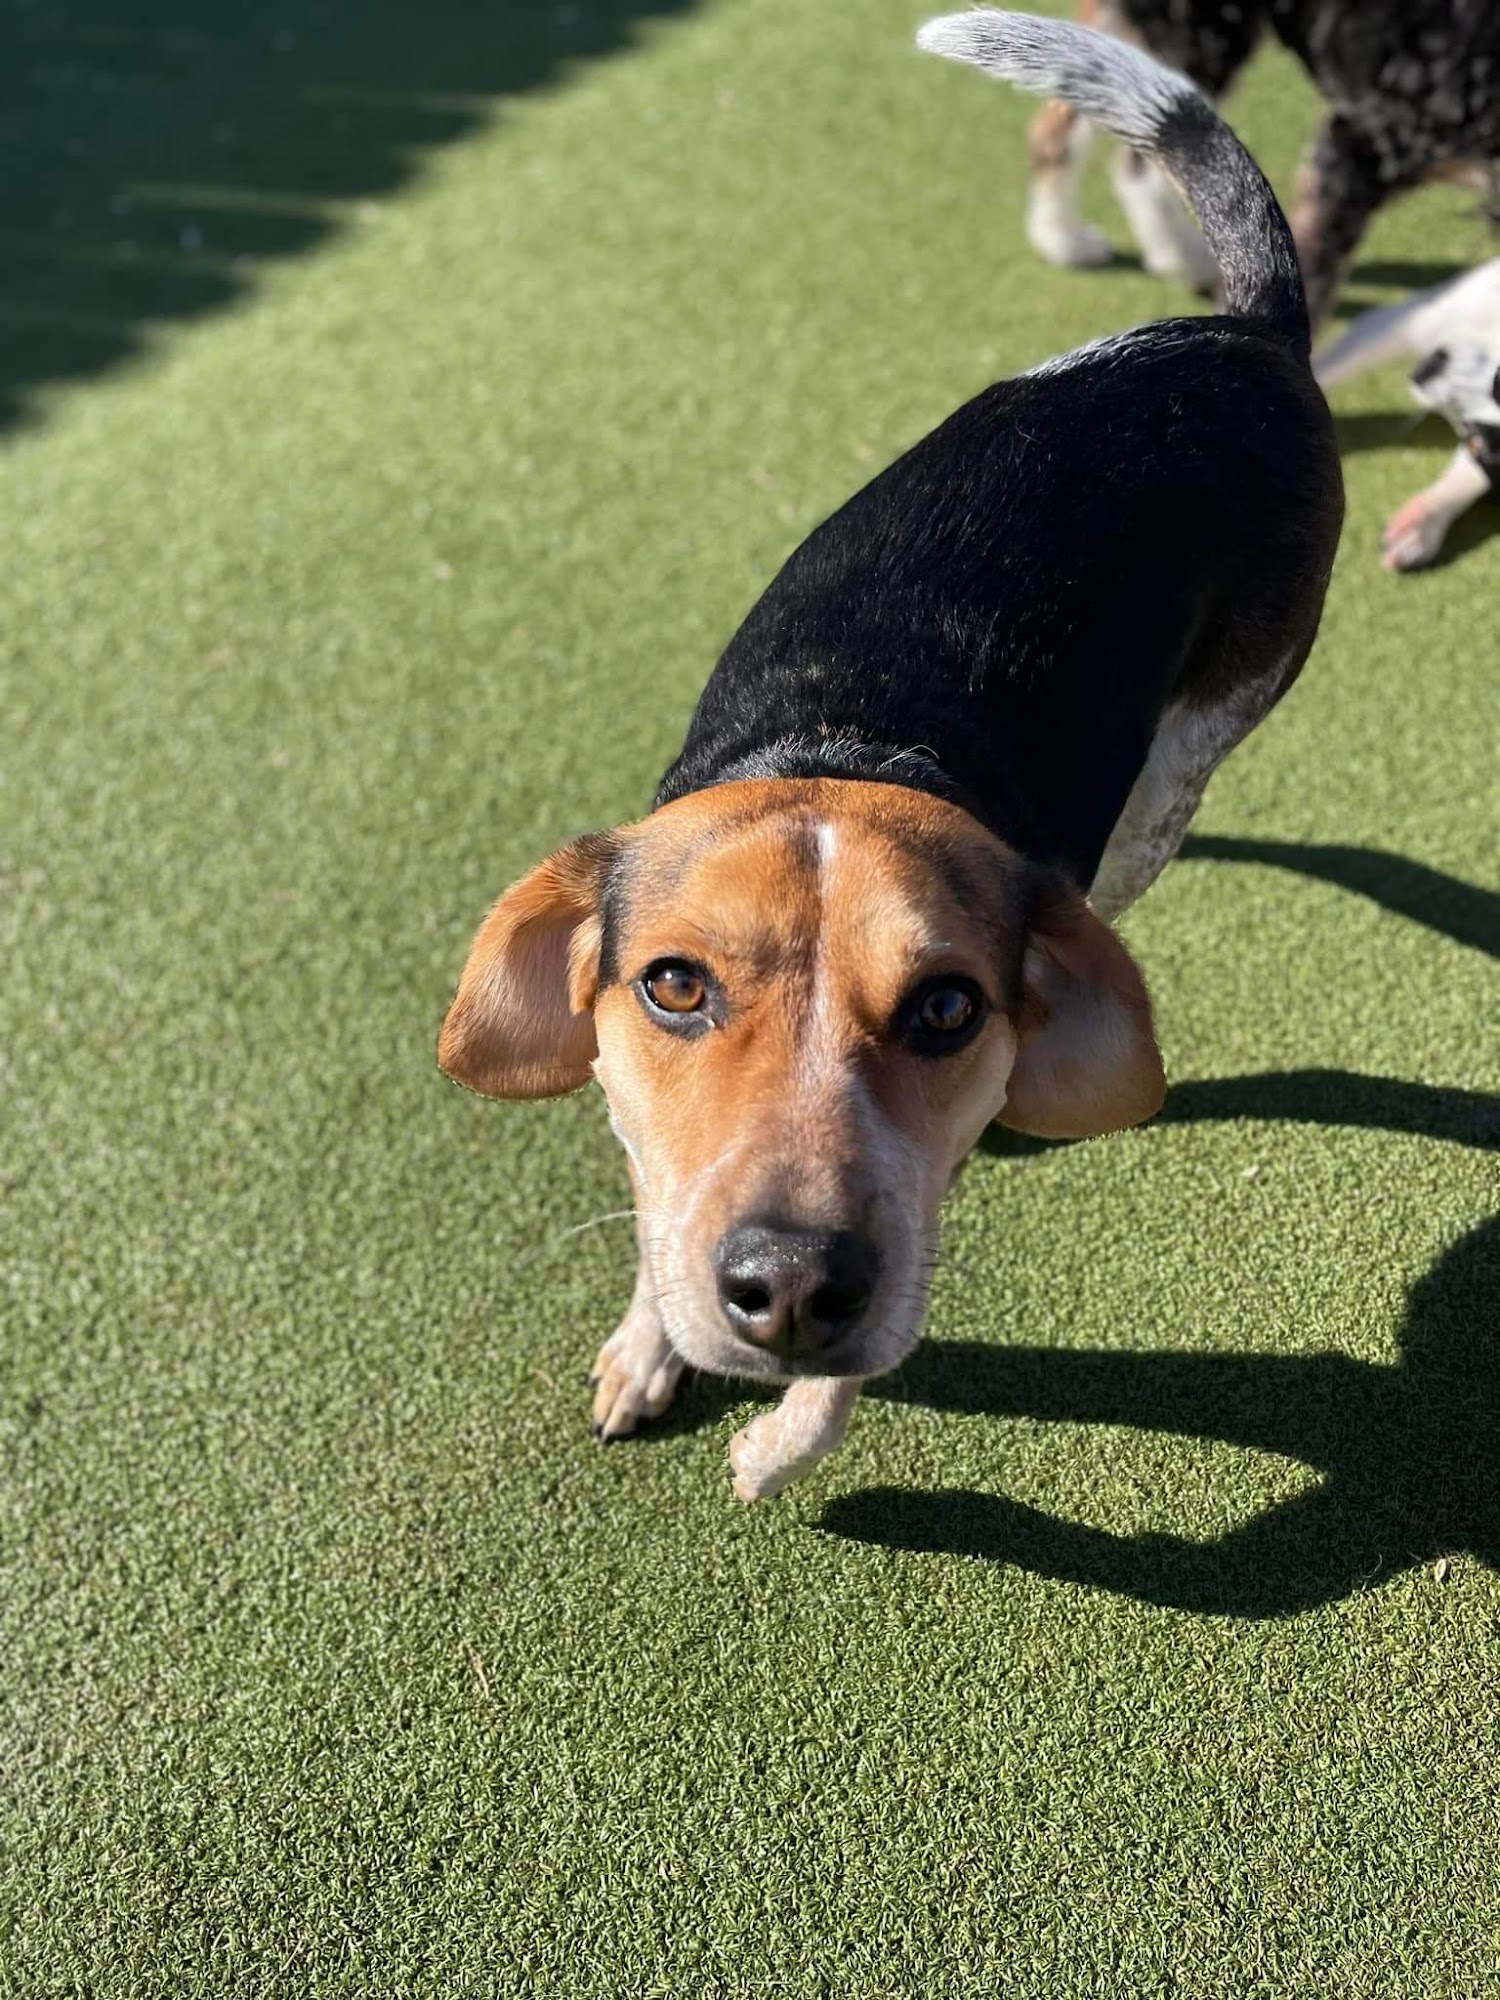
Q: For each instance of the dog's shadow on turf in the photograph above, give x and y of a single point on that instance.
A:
(1427, 896)
(1378, 430)
(1408, 1456)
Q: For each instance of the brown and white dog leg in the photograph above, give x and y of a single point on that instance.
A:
(1058, 143)
(637, 1371)
(784, 1444)
(1191, 741)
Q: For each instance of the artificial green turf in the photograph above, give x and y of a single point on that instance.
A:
(369, 527)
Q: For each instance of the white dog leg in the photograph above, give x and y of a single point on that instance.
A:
(1414, 533)
(1171, 243)
(784, 1444)
(1385, 333)
(637, 1370)
(1054, 228)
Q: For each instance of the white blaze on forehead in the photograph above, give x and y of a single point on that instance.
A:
(825, 1073)
(821, 1050)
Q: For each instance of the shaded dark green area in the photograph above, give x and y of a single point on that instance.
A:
(156, 156)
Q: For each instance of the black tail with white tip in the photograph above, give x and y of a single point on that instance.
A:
(1159, 113)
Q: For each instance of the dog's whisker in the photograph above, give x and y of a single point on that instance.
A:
(576, 1229)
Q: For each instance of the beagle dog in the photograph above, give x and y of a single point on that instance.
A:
(966, 726)
(1453, 334)
(1413, 88)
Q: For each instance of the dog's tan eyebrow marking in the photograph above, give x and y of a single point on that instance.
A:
(638, 871)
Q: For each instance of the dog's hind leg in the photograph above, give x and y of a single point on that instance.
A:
(1191, 741)
(1172, 245)
(1058, 143)
(1157, 814)
(1343, 183)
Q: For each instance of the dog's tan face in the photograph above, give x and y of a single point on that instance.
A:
(804, 1000)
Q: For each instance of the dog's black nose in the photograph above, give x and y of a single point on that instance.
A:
(794, 1291)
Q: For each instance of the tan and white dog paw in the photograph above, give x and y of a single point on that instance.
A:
(1413, 535)
(783, 1445)
(756, 1460)
(635, 1376)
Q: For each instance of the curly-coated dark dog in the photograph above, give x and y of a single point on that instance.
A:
(1413, 88)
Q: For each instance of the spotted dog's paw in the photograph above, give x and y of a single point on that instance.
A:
(1073, 245)
(635, 1376)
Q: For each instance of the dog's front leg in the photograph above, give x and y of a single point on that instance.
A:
(784, 1444)
(637, 1370)
(1341, 187)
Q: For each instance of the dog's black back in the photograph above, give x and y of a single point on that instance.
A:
(1004, 613)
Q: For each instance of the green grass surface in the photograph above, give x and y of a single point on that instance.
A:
(369, 527)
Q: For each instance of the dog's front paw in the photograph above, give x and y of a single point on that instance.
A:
(784, 1444)
(1413, 535)
(635, 1376)
(757, 1460)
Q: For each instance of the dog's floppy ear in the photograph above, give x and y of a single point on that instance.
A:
(522, 1022)
(1086, 1054)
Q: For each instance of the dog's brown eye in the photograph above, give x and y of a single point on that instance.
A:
(946, 1010)
(676, 989)
(943, 1016)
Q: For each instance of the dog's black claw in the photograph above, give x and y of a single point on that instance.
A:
(591, 1380)
(596, 1429)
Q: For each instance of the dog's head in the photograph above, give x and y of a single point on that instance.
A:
(805, 999)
